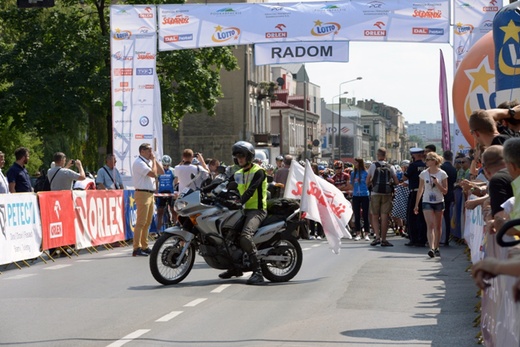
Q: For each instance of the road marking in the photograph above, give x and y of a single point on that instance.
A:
(221, 288)
(112, 254)
(57, 267)
(129, 337)
(195, 302)
(306, 249)
(17, 277)
(169, 316)
(315, 245)
(84, 260)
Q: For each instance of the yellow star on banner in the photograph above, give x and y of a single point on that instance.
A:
(511, 31)
(318, 23)
(480, 77)
(461, 147)
(218, 28)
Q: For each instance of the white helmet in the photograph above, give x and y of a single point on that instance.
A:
(166, 160)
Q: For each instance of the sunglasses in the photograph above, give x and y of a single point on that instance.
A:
(428, 159)
(459, 162)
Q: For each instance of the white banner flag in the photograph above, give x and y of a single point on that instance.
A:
(322, 202)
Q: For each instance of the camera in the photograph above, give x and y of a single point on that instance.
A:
(73, 162)
(196, 154)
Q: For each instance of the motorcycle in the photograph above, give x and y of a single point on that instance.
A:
(210, 220)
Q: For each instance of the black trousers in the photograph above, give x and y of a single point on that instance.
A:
(416, 225)
(448, 202)
(361, 203)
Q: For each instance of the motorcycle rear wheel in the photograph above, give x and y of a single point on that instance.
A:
(164, 257)
(283, 271)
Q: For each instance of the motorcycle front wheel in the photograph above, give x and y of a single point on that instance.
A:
(284, 270)
(164, 258)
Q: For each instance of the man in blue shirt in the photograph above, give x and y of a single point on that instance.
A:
(165, 186)
(108, 177)
(17, 175)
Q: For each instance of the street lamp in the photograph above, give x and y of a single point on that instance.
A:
(333, 142)
(339, 125)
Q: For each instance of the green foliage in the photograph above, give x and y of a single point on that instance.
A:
(55, 78)
(11, 138)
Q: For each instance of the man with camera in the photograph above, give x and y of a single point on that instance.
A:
(61, 177)
(190, 173)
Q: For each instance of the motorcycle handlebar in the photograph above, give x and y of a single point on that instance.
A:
(502, 232)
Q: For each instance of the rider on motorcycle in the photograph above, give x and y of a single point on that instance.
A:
(252, 186)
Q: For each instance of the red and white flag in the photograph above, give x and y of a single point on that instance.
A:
(321, 201)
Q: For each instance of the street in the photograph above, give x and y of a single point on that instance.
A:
(365, 296)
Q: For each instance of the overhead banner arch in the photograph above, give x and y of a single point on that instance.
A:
(208, 25)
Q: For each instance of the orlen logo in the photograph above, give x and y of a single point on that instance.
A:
(225, 34)
(324, 29)
(492, 7)
(122, 34)
(376, 32)
(146, 86)
(277, 34)
(147, 14)
(120, 56)
(56, 230)
(463, 29)
(430, 13)
(178, 38)
(145, 56)
(177, 20)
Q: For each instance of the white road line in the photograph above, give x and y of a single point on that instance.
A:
(219, 289)
(57, 267)
(129, 337)
(84, 260)
(169, 316)
(195, 302)
(306, 249)
(315, 245)
(112, 254)
(17, 277)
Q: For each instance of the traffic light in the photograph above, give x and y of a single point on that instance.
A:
(34, 3)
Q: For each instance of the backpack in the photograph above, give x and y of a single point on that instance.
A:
(42, 183)
(382, 180)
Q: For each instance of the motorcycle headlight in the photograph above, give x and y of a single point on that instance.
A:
(179, 205)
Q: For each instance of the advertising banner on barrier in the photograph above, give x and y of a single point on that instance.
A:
(99, 217)
(300, 52)
(20, 227)
(185, 26)
(57, 215)
(131, 215)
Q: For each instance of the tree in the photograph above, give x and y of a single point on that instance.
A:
(55, 77)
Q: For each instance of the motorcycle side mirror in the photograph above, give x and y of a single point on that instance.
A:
(221, 169)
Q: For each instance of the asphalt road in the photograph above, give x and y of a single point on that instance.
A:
(365, 296)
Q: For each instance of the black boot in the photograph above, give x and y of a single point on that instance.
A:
(230, 273)
(257, 277)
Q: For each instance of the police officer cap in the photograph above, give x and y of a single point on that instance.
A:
(416, 150)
